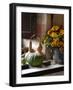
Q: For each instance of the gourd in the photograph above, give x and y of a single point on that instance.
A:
(33, 58)
(23, 61)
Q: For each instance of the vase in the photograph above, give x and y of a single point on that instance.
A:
(58, 56)
(48, 53)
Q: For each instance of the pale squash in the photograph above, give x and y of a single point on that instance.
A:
(33, 58)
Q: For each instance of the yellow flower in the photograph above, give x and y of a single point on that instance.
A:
(55, 42)
(54, 34)
(49, 31)
(55, 28)
(61, 31)
(62, 43)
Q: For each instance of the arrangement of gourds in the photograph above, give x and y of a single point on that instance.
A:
(33, 58)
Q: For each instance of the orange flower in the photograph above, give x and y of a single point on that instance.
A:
(55, 28)
(54, 34)
(49, 32)
(61, 31)
(62, 43)
(55, 42)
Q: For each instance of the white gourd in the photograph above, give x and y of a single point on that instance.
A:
(32, 57)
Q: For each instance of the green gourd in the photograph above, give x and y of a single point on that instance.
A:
(32, 57)
(23, 61)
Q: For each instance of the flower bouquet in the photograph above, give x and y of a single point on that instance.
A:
(54, 39)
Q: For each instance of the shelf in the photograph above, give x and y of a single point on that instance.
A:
(38, 71)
